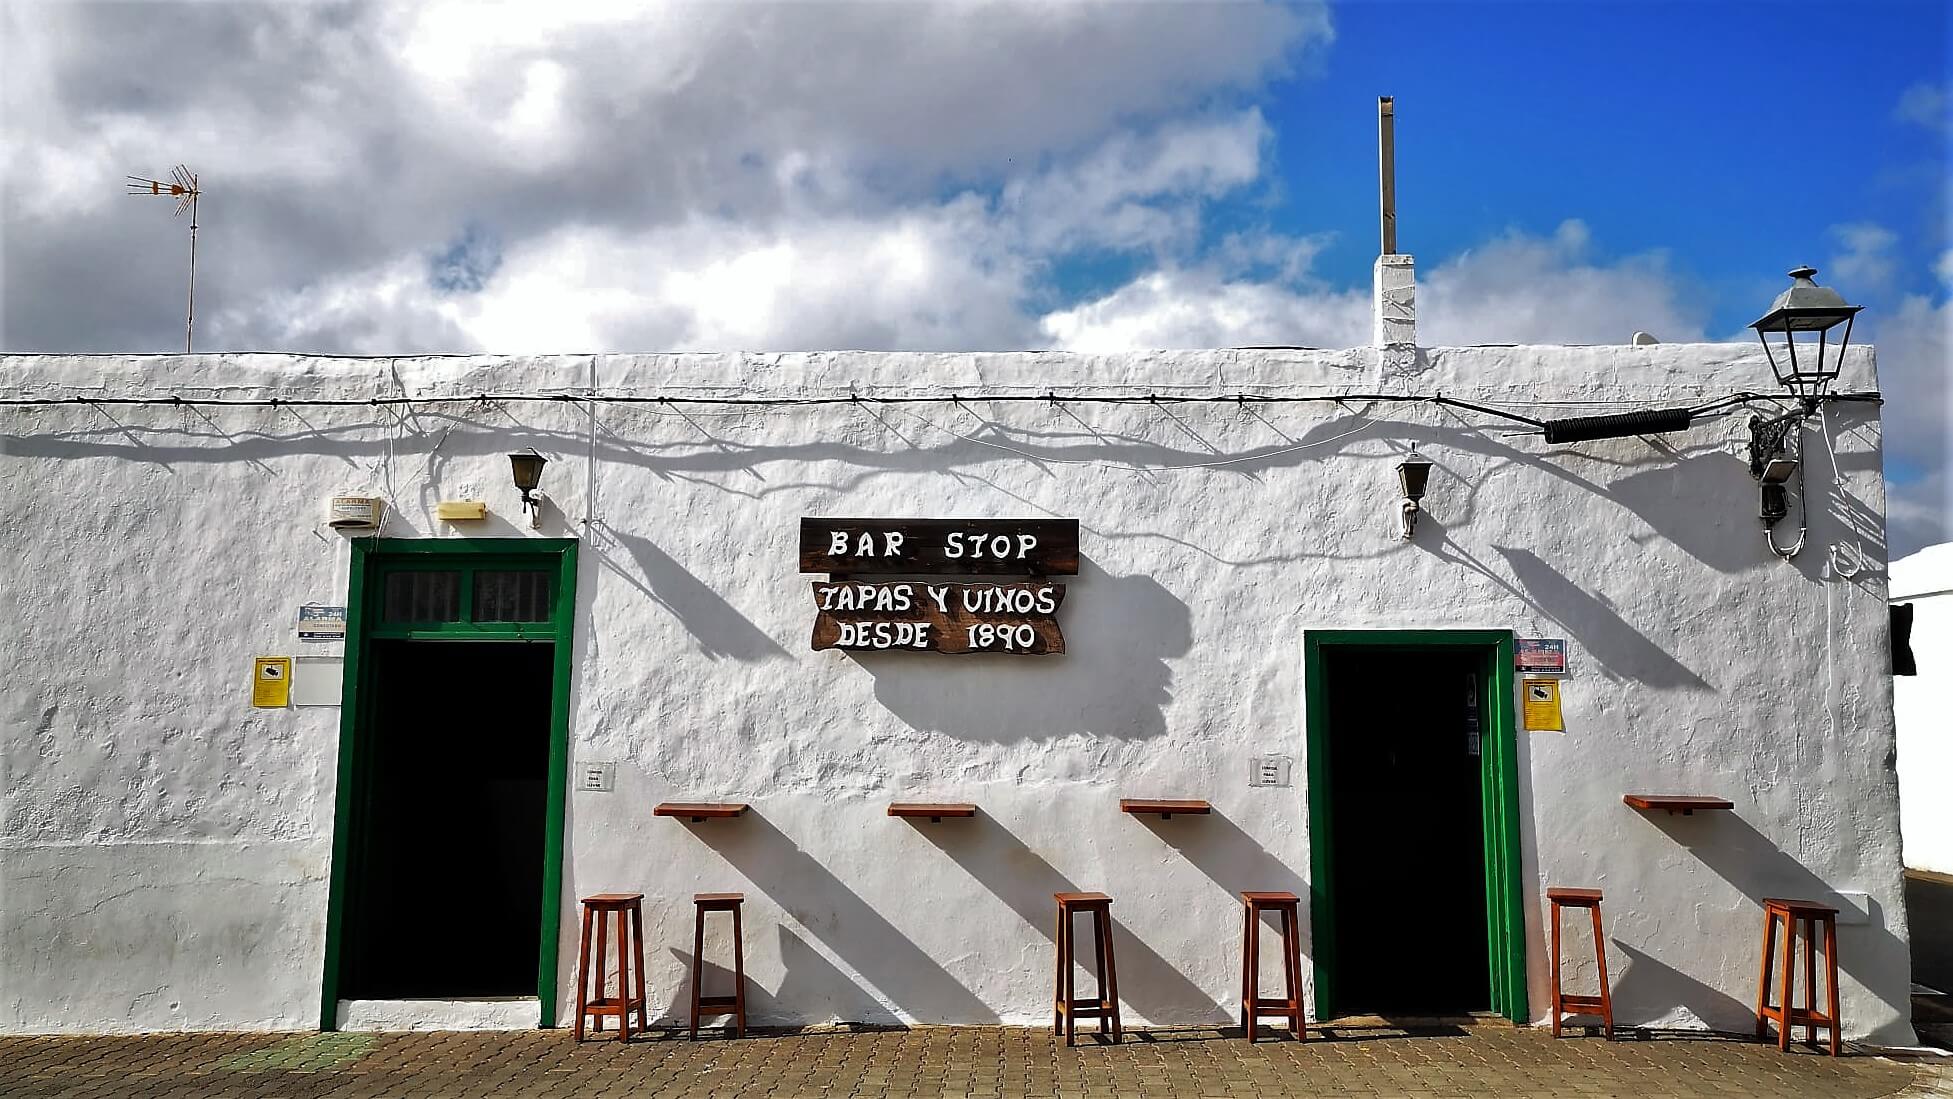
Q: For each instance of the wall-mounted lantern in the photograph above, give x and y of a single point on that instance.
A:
(1413, 474)
(1806, 307)
(527, 466)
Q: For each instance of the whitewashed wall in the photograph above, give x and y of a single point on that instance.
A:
(164, 847)
(1924, 705)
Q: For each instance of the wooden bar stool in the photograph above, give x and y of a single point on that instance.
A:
(629, 910)
(1810, 914)
(1289, 1007)
(1068, 1008)
(1588, 899)
(735, 1004)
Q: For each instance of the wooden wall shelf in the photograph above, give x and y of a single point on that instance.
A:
(700, 810)
(1685, 804)
(934, 810)
(1165, 809)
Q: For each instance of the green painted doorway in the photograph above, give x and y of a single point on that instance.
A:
(1415, 894)
(453, 758)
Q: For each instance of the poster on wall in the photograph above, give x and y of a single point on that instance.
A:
(1015, 616)
(1540, 700)
(271, 681)
(1539, 655)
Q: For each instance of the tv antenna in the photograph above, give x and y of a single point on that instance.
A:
(182, 186)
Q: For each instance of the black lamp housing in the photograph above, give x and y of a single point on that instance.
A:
(527, 466)
(1413, 473)
(1806, 307)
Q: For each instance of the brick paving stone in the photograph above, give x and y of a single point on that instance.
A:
(942, 1063)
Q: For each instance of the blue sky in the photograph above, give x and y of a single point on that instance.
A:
(456, 175)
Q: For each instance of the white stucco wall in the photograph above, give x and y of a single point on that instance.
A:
(1924, 705)
(164, 847)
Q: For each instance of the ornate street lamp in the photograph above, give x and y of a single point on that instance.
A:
(1806, 307)
(1413, 473)
(527, 467)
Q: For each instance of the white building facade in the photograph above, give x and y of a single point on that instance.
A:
(1924, 704)
(1246, 626)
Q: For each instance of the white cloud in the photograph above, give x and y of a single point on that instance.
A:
(1927, 104)
(1867, 261)
(1515, 289)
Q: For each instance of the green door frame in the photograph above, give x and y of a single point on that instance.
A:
(1499, 775)
(362, 627)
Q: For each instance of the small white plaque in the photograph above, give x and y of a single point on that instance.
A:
(601, 777)
(318, 680)
(1268, 771)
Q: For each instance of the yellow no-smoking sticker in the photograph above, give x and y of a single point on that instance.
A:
(1541, 704)
(271, 681)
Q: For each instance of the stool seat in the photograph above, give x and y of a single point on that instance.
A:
(1574, 898)
(1270, 898)
(612, 900)
(1074, 900)
(1799, 907)
(718, 902)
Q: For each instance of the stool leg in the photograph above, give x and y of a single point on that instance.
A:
(603, 964)
(583, 973)
(1831, 984)
(1811, 980)
(637, 947)
(1556, 968)
(1600, 959)
(1058, 974)
(1789, 981)
(1098, 951)
(1292, 970)
(698, 951)
(738, 974)
(1247, 973)
(623, 975)
(1070, 988)
(1112, 980)
(1250, 1009)
(1763, 977)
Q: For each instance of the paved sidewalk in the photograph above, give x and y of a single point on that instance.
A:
(942, 1062)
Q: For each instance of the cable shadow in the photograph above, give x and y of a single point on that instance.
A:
(721, 631)
(1113, 680)
(899, 970)
(1616, 646)
(1022, 879)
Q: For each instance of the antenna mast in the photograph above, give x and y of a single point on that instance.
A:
(182, 187)
(1387, 170)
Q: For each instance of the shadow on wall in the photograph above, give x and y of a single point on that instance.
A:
(812, 990)
(900, 971)
(1648, 991)
(1616, 646)
(1113, 679)
(1022, 879)
(718, 627)
(1758, 868)
(1231, 858)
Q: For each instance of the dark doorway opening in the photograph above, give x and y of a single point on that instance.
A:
(1407, 730)
(445, 884)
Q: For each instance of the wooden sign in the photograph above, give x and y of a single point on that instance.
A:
(972, 547)
(945, 618)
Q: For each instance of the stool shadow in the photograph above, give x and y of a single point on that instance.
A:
(1749, 860)
(899, 970)
(810, 985)
(1647, 988)
(1022, 879)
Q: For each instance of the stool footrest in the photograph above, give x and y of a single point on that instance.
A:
(1593, 1002)
(611, 1005)
(1086, 1009)
(727, 1002)
(1275, 1007)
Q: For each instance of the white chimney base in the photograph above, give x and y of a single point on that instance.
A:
(1394, 316)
